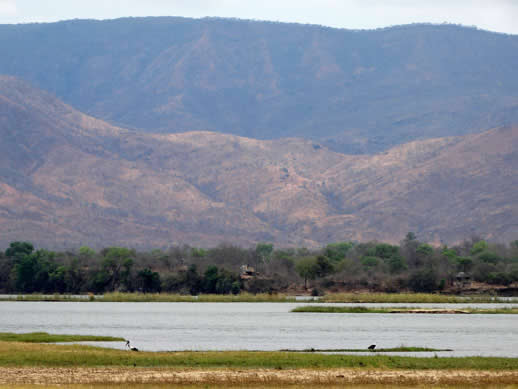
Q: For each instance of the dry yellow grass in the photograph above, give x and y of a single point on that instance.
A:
(246, 377)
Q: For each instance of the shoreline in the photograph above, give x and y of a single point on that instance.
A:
(50, 364)
(352, 297)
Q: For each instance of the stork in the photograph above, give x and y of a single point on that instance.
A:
(129, 346)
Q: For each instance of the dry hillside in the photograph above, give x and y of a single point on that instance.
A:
(67, 179)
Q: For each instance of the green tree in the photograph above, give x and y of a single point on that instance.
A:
(323, 266)
(369, 261)
(193, 280)
(307, 268)
(478, 247)
(198, 252)
(337, 251)
(396, 264)
(385, 250)
(19, 249)
(33, 271)
(424, 281)
(210, 279)
(264, 251)
(86, 252)
(148, 281)
(464, 264)
(74, 277)
(409, 247)
(425, 250)
(117, 264)
(236, 287)
(489, 257)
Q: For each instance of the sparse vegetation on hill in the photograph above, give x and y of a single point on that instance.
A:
(355, 90)
(415, 266)
(67, 179)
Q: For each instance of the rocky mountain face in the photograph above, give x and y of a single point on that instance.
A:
(353, 91)
(67, 179)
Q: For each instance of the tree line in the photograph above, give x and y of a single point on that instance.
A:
(376, 266)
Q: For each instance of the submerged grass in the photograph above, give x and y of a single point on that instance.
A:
(16, 354)
(44, 337)
(321, 309)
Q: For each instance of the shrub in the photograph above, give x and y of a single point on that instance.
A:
(423, 281)
(369, 261)
(489, 257)
(499, 278)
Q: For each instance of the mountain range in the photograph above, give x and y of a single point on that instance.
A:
(69, 179)
(354, 91)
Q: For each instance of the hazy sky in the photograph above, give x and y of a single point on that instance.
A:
(494, 15)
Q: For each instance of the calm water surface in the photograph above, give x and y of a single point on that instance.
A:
(265, 326)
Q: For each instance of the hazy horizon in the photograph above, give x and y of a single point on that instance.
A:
(497, 16)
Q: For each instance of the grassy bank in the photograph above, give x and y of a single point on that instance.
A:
(16, 354)
(157, 298)
(276, 298)
(321, 309)
(43, 337)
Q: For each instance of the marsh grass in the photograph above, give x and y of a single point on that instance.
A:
(157, 297)
(203, 298)
(16, 354)
(406, 298)
(43, 337)
(321, 309)
(264, 297)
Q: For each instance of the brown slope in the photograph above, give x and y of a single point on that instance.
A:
(67, 179)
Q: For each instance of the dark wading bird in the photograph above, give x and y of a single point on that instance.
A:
(372, 347)
(131, 348)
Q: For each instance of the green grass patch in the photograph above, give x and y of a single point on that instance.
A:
(321, 309)
(43, 337)
(406, 298)
(379, 350)
(18, 354)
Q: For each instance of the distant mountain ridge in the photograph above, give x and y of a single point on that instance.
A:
(355, 91)
(67, 179)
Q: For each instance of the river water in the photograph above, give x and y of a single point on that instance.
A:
(266, 326)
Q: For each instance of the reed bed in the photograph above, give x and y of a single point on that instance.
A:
(425, 298)
(321, 309)
(203, 298)
(263, 297)
(158, 297)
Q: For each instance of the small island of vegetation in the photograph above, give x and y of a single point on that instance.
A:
(362, 309)
(44, 337)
